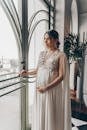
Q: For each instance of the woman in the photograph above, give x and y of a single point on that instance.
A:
(51, 107)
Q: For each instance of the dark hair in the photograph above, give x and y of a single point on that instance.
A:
(53, 34)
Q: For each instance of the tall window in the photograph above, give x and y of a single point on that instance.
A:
(13, 99)
(10, 103)
(40, 25)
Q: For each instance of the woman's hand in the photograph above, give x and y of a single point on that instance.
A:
(23, 73)
(41, 89)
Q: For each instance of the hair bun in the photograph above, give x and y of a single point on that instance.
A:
(52, 33)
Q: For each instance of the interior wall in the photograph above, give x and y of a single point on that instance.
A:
(83, 26)
(82, 4)
(83, 37)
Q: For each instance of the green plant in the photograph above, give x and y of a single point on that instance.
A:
(72, 47)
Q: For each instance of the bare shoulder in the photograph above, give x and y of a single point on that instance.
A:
(62, 55)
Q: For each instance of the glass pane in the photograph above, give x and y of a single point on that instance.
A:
(36, 44)
(52, 2)
(10, 117)
(10, 112)
(8, 45)
(16, 4)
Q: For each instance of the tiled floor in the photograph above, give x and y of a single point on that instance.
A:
(79, 114)
(78, 124)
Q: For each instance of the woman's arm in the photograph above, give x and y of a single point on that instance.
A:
(30, 72)
(61, 75)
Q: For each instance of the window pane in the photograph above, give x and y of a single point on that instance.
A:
(10, 112)
(9, 63)
(36, 43)
(8, 45)
(16, 3)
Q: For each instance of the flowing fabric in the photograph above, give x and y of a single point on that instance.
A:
(52, 109)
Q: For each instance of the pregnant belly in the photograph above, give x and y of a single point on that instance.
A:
(43, 76)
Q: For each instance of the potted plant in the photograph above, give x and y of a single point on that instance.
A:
(75, 52)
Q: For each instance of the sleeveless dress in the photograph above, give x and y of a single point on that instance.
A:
(52, 109)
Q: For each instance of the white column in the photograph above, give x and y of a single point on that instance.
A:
(59, 20)
(85, 80)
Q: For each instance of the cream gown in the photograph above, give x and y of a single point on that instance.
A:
(52, 109)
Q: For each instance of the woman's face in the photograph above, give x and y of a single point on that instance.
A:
(50, 42)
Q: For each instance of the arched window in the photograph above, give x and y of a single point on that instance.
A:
(9, 65)
(40, 19)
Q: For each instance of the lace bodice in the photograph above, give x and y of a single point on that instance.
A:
(51, 61)
(48, 67)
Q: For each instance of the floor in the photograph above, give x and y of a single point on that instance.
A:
(78, 124)
(10, 114)
(79, 115)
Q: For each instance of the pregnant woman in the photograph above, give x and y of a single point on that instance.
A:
(51, 106)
